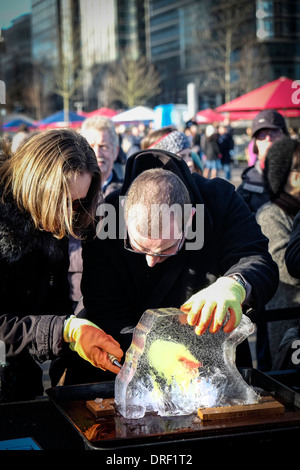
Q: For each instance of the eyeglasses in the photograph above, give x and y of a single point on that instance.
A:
(164, 254)
(261, 135)
(79, 204)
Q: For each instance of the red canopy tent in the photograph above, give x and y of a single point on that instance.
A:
(107, 112)
(207, 116)
(281, 94)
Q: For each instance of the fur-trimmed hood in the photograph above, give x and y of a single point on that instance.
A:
(18, 236)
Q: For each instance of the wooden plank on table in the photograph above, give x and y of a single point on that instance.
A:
(266, 408)
(102, 408)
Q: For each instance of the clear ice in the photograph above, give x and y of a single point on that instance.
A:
(171, 371)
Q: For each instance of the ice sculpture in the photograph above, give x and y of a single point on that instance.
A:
(172, 371)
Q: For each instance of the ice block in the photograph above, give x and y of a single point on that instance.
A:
(169, 370)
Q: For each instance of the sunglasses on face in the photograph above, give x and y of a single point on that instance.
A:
(79, 204)
(164, 254)
(261, 135)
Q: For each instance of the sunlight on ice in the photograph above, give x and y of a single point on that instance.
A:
(169, 370)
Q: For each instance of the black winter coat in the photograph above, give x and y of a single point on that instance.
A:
(34, 293)
(253, 189)
(118, 286)
(211, 148)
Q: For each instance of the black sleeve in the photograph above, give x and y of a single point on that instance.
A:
(244, 242)
(292, 254)
(41, 335)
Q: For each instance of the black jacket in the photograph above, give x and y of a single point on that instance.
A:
(118, 286)
(253, 188)
(211, 147)
(34, 293)
(226, 144)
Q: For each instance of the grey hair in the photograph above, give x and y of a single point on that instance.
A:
(101, 123)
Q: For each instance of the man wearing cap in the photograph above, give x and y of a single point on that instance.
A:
(268, 126)
(282, 174)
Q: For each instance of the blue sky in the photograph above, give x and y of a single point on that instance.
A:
(11, 9)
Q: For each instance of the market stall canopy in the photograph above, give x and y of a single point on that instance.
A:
(57, 120)
(207, 116)
(107, 112)
(13, 126)
(244, 115)
(135, 115)
(281, 94)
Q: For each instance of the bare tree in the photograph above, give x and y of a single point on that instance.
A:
(227, 31)
(67, 79)
(250, 75)
(132, 82)
(33, 92)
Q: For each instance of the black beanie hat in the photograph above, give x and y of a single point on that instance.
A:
(269, 119)
(278, 165)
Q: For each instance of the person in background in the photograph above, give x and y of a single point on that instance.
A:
(293, 133)
(282, 173)
(212, 155)
(101, 134)
(195, 136)
(267, 127)
(20, 137)
(5, 145)
(250, 154)
(131, 142)
(170, 139)
(288, 354)
(226, 145)
(49, 191)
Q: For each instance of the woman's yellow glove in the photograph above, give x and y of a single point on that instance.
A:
(210, 306)
(92, 343)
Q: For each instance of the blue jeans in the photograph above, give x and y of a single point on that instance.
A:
(227, 171)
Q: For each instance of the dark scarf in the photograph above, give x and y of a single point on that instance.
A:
(288, 203)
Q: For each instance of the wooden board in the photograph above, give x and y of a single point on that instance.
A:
(103, 408)
(266, 407)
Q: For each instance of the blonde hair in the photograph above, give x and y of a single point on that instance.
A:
(38, 178)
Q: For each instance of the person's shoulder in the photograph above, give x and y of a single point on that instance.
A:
(215, 187)
(270, 213)
(249, 172)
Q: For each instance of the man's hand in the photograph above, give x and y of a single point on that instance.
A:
(210, 305)
(92, 343)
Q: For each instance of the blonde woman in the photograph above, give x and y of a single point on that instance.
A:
(49, 190)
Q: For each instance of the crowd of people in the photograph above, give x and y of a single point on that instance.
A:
(207, 151)
(75, 282)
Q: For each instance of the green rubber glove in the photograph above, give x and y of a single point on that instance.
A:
(210, 306)
(92, 343)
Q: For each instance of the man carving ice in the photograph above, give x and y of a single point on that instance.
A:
(231, 272)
